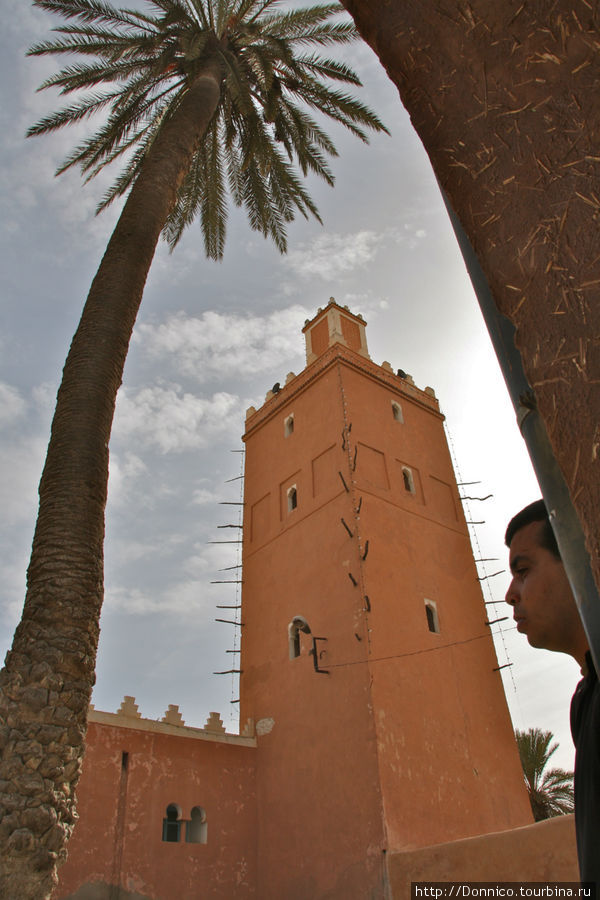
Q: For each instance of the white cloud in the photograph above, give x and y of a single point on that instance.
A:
(332, 255)
(171, 421)
(12, 404)
(21, 468)
(216, 344)
(184, 597)
(44, 400)
(131, 547)
(204, 496)
(125, 470)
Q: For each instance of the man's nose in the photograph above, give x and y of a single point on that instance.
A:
(511, 594)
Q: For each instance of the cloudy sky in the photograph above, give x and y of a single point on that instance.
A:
(210, 340)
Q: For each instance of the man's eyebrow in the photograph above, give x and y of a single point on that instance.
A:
(516, 561)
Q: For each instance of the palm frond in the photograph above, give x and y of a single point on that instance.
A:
(295, 23)
(326, 35)
(188, 201)
(329, 68)
(339, 106)
(550, 791)
(141, 141)
(251, 10)
(80, 77)
(70, 114)
(213, 216)
(85, 45)
(113, 138)
(238, 87)
(223, 15)
(88, 11)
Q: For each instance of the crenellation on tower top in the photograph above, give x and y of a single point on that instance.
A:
(334, 325)
(337, 333)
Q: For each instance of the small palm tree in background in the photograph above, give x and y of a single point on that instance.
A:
(200, 99)
(550, 790)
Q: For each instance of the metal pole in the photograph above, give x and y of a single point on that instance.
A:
(564, 519)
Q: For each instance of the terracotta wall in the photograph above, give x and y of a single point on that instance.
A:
(118, 839)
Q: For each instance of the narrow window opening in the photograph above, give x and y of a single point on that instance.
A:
(196, 828)
(292, 498)
(409, 482)
(397, 412)
(288, 425)
(124, 761)
(294, 643)
(297, 625)
(172, 824)
(432, 617)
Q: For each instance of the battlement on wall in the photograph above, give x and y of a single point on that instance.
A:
(400, 383)
(129, 716)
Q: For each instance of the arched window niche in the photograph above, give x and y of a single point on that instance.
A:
(196, 830)
(171, 831)
(433, 622)
(297, 625)
(288, 425)
(397, 412)
(292, 498)
(409, 481)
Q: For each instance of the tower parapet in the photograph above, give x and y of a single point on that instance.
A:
(336, 334)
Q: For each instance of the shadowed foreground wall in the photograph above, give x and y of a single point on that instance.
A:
(542, 852)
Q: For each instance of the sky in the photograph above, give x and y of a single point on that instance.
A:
(210, 340)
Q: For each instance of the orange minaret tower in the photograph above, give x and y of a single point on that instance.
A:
(367, 665)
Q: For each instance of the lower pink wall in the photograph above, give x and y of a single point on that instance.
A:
(118, 839)
(117, 851)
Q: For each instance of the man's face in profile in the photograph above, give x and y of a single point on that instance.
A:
(540, 594)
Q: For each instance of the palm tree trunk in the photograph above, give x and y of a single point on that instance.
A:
(504, 97)
(46, 685)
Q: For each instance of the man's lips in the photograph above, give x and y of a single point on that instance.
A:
(521, 622)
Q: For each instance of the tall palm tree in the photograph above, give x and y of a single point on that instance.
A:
(199, 97)
(550, 790)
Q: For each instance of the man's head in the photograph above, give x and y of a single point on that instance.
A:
(544, 608)
(535, 512)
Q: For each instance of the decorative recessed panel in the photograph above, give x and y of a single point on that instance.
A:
(351, 333)
(319, 337)
(325, 477)
(442, 499)
(260, 518)
(371, 468)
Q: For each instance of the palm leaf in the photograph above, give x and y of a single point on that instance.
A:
(550, 791)
(88, 11)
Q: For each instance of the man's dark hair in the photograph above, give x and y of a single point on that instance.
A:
(535, 512)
